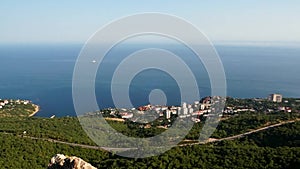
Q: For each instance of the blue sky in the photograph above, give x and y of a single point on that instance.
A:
(33, 21)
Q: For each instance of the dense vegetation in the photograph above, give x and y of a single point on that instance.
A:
(26, 153)
(247, 121)
(65, 129)
(286, 135)
(273, 148)
(263, 105)
(69, 129)
(14, 109)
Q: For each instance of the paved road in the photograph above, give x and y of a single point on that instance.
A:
(256, 130)
(188, 144)
(243, 134)
(79, 145)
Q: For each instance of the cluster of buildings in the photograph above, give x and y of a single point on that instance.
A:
(195, 111)
(4, 103)
(235, 110)
(275, 98)
(285, 109)
(150, 112)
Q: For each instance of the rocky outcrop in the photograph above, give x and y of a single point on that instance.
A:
(60, 161)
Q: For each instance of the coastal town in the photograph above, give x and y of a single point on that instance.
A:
(163, 116)
(196, 111)
(240, 119)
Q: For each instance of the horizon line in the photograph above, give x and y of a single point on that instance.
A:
(216, 43)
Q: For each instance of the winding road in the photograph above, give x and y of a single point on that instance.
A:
(211, 140)
(181, 145)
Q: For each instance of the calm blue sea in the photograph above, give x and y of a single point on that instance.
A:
(43, 74)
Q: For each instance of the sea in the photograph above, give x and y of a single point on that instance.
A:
(43, 74)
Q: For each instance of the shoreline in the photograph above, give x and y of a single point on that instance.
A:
(36, 110)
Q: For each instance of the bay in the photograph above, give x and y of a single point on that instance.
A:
(43, 73)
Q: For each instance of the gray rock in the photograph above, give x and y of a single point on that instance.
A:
(60, 161)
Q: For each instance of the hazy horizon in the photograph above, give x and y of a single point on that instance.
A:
(64, 22)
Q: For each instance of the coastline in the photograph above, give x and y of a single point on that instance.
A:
(36, 110)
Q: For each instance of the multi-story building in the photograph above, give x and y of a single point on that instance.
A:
(275, 98)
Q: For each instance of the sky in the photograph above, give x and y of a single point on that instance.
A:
(55, 21)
